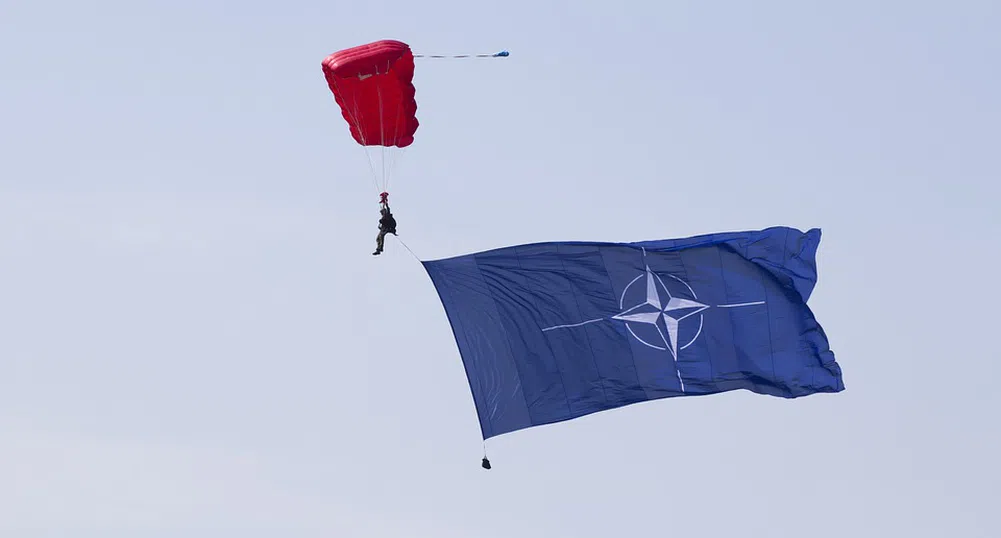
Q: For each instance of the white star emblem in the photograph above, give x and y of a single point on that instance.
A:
(664, 316)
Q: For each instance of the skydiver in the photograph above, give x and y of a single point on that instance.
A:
(387, 225)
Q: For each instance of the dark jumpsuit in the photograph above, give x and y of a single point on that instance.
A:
(387, 225)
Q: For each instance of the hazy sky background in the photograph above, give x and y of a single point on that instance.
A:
(196, 341)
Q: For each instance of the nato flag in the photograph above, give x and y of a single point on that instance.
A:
(553, 331)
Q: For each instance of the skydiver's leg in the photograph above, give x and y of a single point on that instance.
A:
(380, 240)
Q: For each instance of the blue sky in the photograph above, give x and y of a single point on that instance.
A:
(195, 339)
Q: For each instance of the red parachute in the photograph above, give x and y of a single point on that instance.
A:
(373, 85)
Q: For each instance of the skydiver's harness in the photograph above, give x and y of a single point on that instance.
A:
(384, 202)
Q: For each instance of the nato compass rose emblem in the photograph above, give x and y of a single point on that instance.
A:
(656, 318)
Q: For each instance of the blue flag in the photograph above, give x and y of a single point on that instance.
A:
(553, 331)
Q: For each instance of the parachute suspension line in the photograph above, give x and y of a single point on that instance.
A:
(394, 162)
(368, 159)
(354, 113)
(379, 177)
(382, 139)
(394, 157)
(389, 156)
(501, 54)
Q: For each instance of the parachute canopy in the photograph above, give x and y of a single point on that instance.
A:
(373, 85)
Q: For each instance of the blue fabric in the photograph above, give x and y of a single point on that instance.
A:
(553, 331)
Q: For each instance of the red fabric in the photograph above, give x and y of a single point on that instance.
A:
(373, 85)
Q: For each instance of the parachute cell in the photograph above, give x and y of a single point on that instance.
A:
(373, 85)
